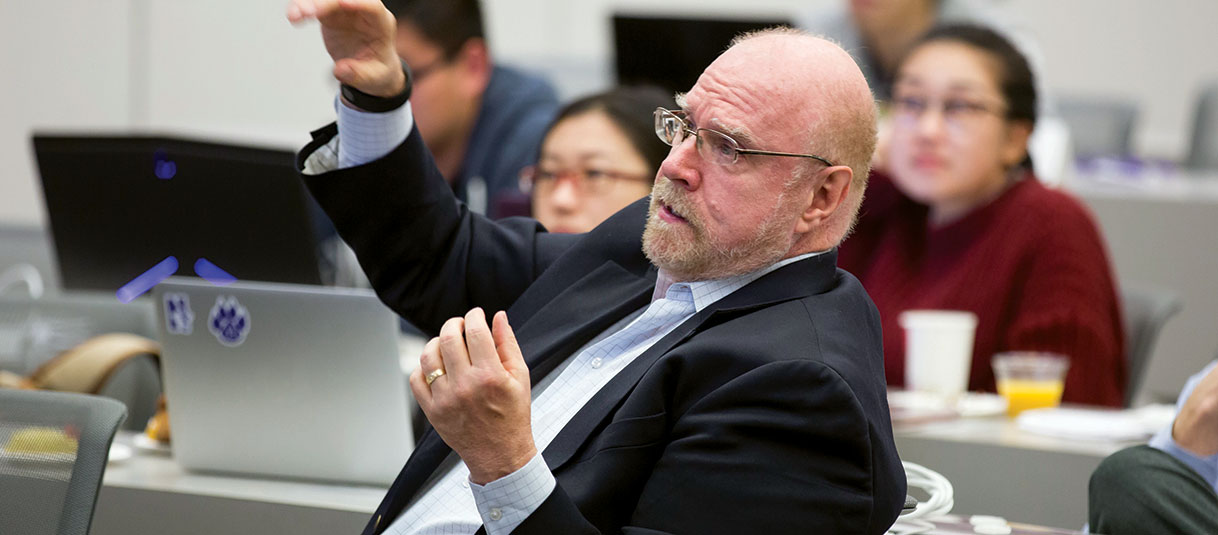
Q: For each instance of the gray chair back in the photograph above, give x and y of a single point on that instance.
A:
(32, 331)
(1146, 312)
(1203, 147)
(53, 450)
(1099, 126)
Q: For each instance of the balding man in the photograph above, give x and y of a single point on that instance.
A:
(696, 364)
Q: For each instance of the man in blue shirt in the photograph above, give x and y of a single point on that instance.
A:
(1171, 485)
(482, 122)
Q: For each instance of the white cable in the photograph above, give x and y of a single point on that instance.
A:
(22, 273)
(932, 483)
(938, 504)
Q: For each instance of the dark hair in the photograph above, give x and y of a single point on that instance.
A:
(1015, 77)
(448, 24)
(631, 109)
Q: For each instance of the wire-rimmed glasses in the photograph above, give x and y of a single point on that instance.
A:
(543, 180)
(713, 145)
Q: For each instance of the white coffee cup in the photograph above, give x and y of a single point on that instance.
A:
(938, 350)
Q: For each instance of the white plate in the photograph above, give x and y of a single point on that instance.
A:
(910, 406)
(119, 452)
(143, 442)
(975, 404)
(1087, 424)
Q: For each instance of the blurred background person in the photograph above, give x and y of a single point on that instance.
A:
(877, 32)
(481, 121)
(599, 155)
(962, 223)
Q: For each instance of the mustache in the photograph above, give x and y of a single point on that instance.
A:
(665, 192)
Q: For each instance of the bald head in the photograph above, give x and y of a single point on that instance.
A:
(784, 99)
(821, 98)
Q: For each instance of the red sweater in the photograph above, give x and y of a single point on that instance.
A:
(1031, 265)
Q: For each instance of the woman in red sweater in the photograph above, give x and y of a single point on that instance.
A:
(960, 222)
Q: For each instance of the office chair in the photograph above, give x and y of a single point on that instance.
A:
(1099, 126)
(1146, 311)
(1203, 147)
(53, 449)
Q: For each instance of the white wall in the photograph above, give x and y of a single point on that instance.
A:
(1156, 53)
(235, 69)
(57, 72)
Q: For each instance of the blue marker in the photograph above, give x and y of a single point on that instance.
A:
(146, 280)
(212, 273)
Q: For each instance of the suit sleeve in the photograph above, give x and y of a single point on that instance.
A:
(784, 448)
(428, 256)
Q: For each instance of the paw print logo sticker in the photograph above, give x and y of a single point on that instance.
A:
(229, 321)
(179, 319)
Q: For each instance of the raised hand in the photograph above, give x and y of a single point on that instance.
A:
(473, 385)
(359, 35)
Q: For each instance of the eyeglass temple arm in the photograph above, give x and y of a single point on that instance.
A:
(791, 154)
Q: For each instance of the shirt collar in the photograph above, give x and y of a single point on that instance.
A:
(706, 292)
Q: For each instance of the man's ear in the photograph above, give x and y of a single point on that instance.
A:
(474, 64)
(829, 191)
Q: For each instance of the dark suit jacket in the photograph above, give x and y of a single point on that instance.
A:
(764, 413)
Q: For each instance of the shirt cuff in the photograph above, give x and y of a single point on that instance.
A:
(1206, 467)
(366, 136)
(505, 502)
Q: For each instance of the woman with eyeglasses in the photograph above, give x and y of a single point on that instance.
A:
(599, 155)
(957, 221)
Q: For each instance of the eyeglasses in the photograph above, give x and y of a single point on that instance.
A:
(713, 145)
(540, 180)
(958, 113)
(422, 72)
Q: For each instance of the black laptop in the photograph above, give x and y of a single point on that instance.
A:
(119, 206)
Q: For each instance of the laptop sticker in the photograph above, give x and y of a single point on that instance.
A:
(229, 321)
(179, 318)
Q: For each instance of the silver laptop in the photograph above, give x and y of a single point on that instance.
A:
(283, 380)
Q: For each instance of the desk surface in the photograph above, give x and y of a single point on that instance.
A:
(997, 469)
(158, 472)
(1003, 432)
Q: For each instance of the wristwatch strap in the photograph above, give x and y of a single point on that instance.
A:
(375, 104)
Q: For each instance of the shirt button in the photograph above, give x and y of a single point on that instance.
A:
(465, 483)
(596, 362)
(495, 513)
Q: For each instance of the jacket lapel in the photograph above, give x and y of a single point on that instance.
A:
(808, 277)
(579, 313)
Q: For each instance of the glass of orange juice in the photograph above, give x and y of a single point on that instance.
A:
(1030, 380)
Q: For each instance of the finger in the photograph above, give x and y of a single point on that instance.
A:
(452, 347)
(294, 13)
(328, 11)
(429, 359)
(505, 343)
(479, 341)
(308, 8)
(422, 392)
(346, 9)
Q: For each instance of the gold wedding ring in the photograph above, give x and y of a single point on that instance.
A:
(433, 376)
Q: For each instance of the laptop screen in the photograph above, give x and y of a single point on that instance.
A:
(686, 46)
(119, 205)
